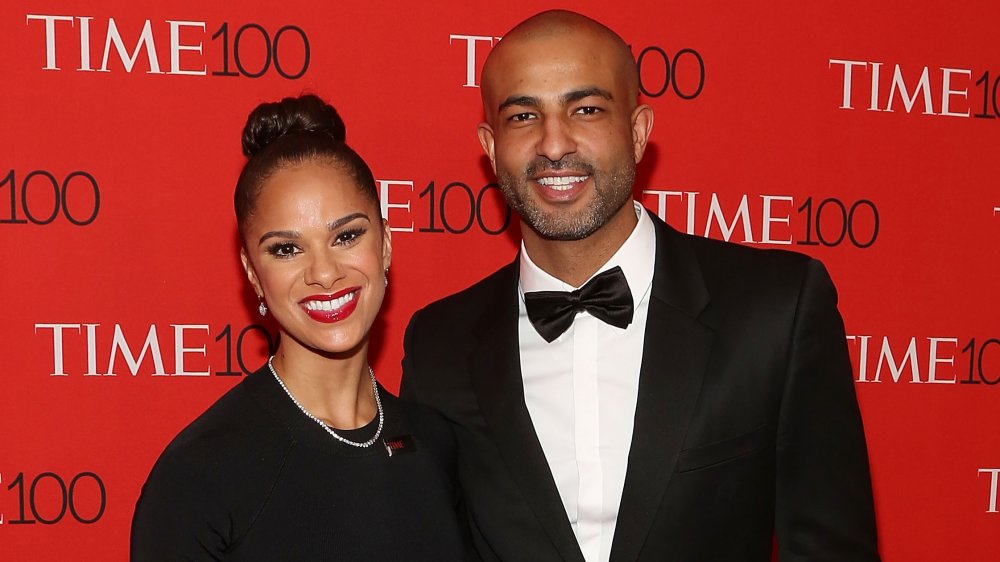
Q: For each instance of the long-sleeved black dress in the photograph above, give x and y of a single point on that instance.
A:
(254, 479)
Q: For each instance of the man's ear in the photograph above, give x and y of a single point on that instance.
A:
(642, 126)
(485, 132)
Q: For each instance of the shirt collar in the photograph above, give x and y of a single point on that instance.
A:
(636, 257)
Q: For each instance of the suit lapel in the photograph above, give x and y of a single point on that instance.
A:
(496, 375)
(675, 354)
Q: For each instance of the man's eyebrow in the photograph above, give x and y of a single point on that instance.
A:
(568, 97)
(577, 95)
(516, 99)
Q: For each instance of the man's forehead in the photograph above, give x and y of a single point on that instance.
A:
(546, 58)
(544, 81)
(559, 44)
(572, 53)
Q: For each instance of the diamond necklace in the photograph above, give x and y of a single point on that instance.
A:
(328, 429)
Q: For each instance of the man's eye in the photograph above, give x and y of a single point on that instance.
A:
(521, 117)
(589, 110)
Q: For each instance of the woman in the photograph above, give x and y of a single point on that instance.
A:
(308, 458)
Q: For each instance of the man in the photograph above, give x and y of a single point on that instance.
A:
(691, 401)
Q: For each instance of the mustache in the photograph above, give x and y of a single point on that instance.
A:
(543, 164)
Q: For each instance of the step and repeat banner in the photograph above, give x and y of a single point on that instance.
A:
(866, 136)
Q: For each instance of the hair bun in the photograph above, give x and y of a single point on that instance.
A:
(270, 121)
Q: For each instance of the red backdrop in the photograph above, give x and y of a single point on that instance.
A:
(866, 136)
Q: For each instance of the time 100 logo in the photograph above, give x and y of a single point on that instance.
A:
(248, 50)
(41, 197)
(48, 498)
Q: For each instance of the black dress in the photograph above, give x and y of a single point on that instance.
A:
(254, 479)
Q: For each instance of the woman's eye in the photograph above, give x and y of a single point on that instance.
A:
(348, 236)
(282, 250)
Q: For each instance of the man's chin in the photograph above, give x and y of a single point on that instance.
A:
(562, 230)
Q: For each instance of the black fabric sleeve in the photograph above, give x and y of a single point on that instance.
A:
(407, 385)
(177, 518)
(824, 505)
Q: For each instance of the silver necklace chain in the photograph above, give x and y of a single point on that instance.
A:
(328, 429)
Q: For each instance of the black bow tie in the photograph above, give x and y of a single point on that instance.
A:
(606, 297)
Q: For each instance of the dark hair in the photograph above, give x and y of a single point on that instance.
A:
(293, 131)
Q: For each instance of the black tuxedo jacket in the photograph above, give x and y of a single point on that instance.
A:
(746, 424)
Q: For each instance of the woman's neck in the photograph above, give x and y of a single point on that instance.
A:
(337, 390)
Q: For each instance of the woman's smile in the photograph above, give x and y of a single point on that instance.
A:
(331, 308)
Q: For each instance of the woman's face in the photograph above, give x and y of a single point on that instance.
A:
(316, 251)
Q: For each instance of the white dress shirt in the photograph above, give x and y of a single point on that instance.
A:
(581, 391)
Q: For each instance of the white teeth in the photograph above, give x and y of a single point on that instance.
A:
(331, 305)
(561, 183)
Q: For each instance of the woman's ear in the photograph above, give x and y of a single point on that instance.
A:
(386, 245)
(251, 273)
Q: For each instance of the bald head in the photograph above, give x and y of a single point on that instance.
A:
(566, 29)
(564, 130)
(558, 22)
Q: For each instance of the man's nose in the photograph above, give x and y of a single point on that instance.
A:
(557, 139)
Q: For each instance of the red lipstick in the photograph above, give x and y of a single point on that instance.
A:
(331, 308)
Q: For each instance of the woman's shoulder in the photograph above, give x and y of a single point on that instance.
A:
(220, 467)
(236, 444)
(235, 422)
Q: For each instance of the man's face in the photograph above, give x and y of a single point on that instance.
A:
(560, 133)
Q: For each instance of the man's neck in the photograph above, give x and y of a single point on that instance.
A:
(575, 261)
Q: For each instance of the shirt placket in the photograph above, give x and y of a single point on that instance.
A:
(590, 494)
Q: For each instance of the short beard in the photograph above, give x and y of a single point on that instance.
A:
(612, 190)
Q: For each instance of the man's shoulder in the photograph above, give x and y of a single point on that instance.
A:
(469, 302)
(730, 261)
(441, 335)
(739, 278)
(735, 254)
